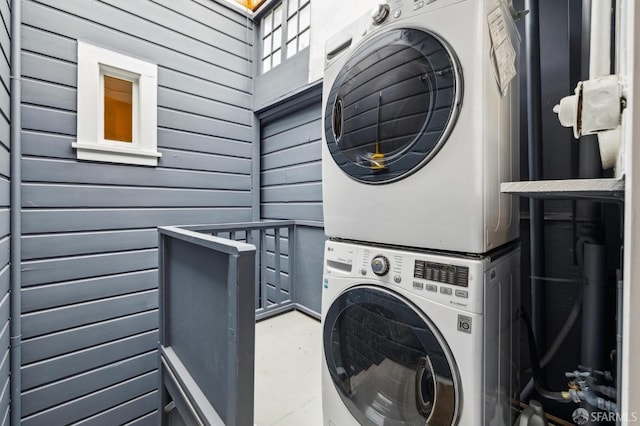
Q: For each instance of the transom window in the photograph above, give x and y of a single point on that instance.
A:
(285, 32)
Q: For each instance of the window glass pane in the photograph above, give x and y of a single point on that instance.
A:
(118, 109)
(277, 38)
(293, 7)
(277, 17)
(304, 2)
(292, 27)
(291, 48)
(304, 40)
(266, 24)
(266, 46)
(276, 58)
(266, 64)
(305, 17)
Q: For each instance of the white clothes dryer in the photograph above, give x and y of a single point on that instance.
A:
(417, 133)
(415, 338)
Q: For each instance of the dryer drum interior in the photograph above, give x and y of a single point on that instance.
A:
(388, 362)
(392, 105)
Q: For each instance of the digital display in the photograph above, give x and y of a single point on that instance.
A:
(442, 273)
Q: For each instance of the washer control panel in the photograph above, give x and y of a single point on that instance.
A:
(442, 273)
(454, 281)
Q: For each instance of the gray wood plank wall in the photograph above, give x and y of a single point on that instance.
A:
(291, 176)
(291, 188)
(89, 239)
(5, 31)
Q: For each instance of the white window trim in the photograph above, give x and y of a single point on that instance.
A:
(93, 63)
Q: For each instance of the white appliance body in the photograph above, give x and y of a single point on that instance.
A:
(420, 166)
(401, 349)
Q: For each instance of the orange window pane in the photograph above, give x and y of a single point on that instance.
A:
(118, 109)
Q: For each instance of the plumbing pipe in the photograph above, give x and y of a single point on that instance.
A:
(555, 346)
(15, 215)
(593, 353)
(534, 149)
(600, 59)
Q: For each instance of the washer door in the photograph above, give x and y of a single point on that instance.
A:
(393, 105)
(388, 362)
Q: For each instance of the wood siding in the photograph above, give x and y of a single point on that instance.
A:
(5, 177)
(89, 240)
(291, 176)
(291, 188)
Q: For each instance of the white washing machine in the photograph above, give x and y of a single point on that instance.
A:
(415, 338)
(417, 133)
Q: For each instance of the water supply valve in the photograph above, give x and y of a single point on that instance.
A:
(595, 109)
(582, 389)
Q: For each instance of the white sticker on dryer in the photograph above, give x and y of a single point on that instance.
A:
(504, 55)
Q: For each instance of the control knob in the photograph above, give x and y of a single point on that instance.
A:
(380, 265)
(380, 13)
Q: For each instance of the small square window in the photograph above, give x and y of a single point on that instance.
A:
(277, 38)
(292, 48)
(276, 58)
(277, 17)
(266, 24)
(293, 7)
(303, 40)
(266, 46)
(117, 107)
(292, 27)
(305, 18)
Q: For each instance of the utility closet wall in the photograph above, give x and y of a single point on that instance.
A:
(89, 308)
(5, 30)
(291, 186)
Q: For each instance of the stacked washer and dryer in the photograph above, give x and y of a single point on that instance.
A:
(421, 271)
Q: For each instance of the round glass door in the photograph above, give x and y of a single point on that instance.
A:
(388, 362)
(392, 105)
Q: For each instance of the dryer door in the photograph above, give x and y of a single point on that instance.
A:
(388, 362)
(392, 105)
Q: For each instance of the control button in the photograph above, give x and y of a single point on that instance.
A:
(380, 265)
(363, 271)
(431, 287)
(379, 14)
(445, 290)
(418, 285)
(397, 279)
(418, 5)
(397, 14)
(462, 293)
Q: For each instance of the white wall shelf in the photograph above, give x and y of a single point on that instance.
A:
(595, 189)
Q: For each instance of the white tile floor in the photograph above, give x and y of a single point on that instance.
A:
(287, 375)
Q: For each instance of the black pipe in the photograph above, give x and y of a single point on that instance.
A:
(594, 352)
(534, 150)
(536, 371)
